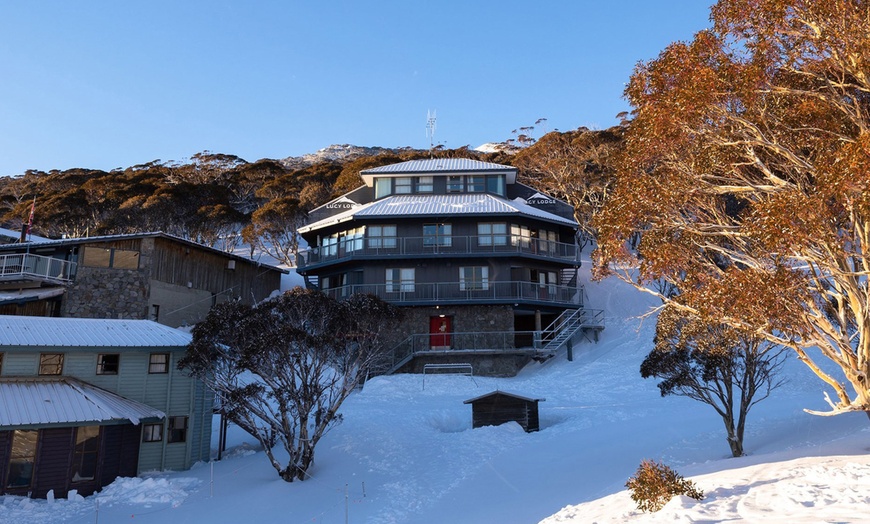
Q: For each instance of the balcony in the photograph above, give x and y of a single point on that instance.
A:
(445, 293)
(409, 247)
(24, 267)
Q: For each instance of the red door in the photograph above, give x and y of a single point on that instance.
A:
(439, 332)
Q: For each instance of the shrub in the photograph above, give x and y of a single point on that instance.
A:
(654, 484)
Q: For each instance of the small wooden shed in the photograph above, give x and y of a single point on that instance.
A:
(499, 407)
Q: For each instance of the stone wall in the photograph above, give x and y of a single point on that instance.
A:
(107, 293)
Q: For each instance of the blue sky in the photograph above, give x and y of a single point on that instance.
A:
(107, 84)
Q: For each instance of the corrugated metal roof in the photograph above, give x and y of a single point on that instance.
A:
(438, 165)
(65, 400)
(441, 206)
(87, 332)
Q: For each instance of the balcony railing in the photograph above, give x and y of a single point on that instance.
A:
(458, 293)
(386, 247)
(24, 266)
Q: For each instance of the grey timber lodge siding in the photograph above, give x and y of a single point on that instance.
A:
(458, 242)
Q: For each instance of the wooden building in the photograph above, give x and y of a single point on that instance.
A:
(498, 407)
(87, 400)
(151, 276)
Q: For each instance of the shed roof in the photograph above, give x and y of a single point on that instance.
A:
(17, 296)
(503, 393)
(87, 332)
(34, 401)
(480, 204)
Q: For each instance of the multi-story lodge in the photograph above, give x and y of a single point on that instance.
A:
(485, 267)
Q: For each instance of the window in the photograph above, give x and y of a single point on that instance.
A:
(476, 184)
(177, 429)
(382, 237)
(402, 186)
(21, 458)
(152, 432)
(155, 311)
(489, 234)
(330, 245)
(108, 364)
(110, 257)
(51, 363)
(424, 184)
(85, 453)
(520, 236)
(400, 279)
(495, 184)
(454, 184)
(158, 363)
(353, 239)
(471, 278)
(547, 241)
(437, 235)
(382, 187)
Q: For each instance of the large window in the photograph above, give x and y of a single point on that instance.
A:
(400, 279)
(22, 456)
(177, 429)
(110, 257)
(382, 187)
(425, 184)
(51, 363)
(547, 241)
(158, 363)
(491, 234)
(85, 453)
(437, 235)
(402, 185)
(495, 184)
(382, 236)
(108, 364)
(329, 247)
(353, 238)
(473, 277)
(520, 236)
(455, 184)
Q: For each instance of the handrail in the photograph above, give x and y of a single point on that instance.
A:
(26, 265)
(458, 292)
(381, 247)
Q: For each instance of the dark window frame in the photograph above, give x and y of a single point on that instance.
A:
(43, 364)
(152, 370)
(113, 367)
(150, 435)
(175, 434)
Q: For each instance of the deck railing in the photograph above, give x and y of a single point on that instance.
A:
(387, 247)
(457, 292)
(27, 266)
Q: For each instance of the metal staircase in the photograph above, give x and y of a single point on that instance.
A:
(568, 324)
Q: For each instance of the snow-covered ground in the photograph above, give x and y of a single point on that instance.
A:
(406, 453)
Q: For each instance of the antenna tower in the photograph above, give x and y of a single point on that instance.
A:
(430, 130)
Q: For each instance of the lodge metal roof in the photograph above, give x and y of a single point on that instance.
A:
(87, 332)
(438, 165)
(31, 401)
(481, 204)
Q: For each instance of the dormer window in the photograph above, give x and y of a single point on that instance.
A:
(454, 184)
(495, 184)
(476, 184)
(382, 187)
(402, 186)
(425, 184)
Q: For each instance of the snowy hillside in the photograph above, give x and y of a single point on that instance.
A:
(406, 453)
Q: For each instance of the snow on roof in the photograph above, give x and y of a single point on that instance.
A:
(24, 295)
(40, 400)
(87, 332)
(507, 393)
(438, 165)
(440, 205)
